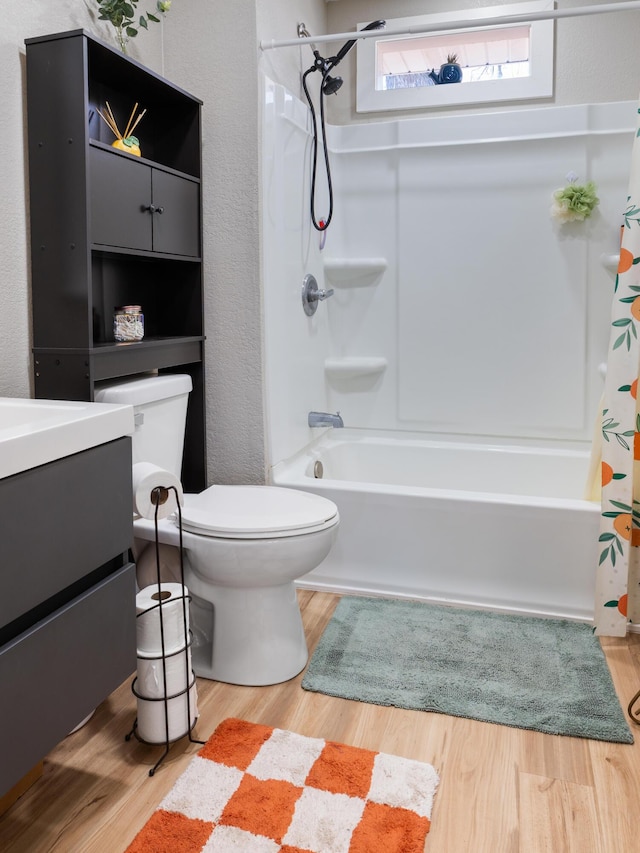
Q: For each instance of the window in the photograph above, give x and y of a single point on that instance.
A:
(488, 54)
(505, 62)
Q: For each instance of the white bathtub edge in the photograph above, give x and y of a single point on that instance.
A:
(345, 589)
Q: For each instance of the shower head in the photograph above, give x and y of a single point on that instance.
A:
(346, 47)
(330, 85)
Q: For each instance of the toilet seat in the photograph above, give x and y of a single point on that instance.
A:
(257, 512)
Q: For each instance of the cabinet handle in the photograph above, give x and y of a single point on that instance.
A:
(152, 208)
(159, 209)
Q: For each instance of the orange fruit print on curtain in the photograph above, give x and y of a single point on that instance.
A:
(618, 575)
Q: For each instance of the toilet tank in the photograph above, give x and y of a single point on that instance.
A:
(160, 413)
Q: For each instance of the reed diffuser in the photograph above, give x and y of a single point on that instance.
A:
(124, 141)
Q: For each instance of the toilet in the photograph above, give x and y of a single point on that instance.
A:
(243, 547)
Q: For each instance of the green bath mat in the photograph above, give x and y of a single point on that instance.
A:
(549, 675)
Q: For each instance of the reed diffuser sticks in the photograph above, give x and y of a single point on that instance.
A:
(124, 141)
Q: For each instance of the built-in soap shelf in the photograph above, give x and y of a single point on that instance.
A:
(610, 262)
(354, 272)
(355, 366)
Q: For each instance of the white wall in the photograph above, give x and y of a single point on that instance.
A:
(400, 317)
(493, 319)
(295, 344)
(490, 320)
(596, 57)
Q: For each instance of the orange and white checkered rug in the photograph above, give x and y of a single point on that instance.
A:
(256, 789)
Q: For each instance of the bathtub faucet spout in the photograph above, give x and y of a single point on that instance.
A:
(322, 419)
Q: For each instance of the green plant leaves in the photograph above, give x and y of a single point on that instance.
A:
(121, 14)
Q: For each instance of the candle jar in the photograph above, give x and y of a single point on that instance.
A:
(128, 323)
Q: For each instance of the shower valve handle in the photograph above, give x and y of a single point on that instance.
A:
(311, 295)
(322, 294)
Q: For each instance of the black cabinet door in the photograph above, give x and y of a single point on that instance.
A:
(34, 569)
(135, 206)
(120, 196)
(176, 221)
(56, 671)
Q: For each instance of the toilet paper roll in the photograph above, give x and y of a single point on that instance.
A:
(147, 565)
(146, 477)
(151, 719)
(151, 672)
(148, 615)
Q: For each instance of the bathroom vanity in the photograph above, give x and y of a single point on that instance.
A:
(67, 607)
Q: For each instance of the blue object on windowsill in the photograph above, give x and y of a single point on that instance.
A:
(449, 73)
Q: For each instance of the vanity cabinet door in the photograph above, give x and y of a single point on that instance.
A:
(80, 506)
(120, 195)
(54, 673)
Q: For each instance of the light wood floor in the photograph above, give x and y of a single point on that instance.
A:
(502, 790)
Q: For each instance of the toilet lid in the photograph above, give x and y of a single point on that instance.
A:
(257, 512)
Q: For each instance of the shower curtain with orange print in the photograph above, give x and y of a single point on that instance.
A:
(618, 578)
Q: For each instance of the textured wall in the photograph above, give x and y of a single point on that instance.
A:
(221, 67)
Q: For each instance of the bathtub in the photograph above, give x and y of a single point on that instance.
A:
(502, 527)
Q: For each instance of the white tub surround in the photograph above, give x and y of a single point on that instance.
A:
(466, 323)
(481, 315)
(454, 522)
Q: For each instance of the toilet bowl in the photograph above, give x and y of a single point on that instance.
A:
(243, 548)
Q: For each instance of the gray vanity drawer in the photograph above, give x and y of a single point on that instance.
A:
(54, 674)
(61, 521)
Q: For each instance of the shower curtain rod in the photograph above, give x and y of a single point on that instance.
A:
(524, 18)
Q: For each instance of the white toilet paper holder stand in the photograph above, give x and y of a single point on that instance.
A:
(159, 496)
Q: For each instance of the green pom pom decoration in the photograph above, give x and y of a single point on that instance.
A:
(574, 202)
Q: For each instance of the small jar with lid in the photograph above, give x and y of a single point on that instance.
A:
(128, 323)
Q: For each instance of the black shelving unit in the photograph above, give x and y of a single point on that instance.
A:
(109, 228)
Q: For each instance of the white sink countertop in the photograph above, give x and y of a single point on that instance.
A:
(34, 432)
